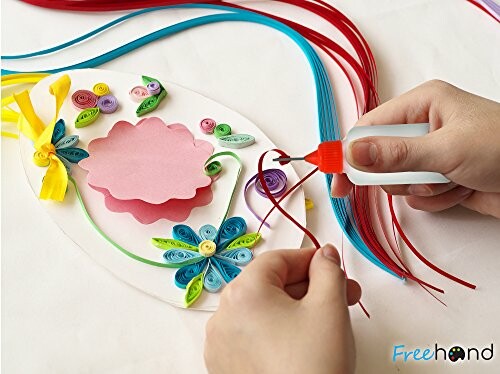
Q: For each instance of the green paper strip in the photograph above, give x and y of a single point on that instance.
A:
(86, 117)
(139, 258)
(235, 156)
(193, 290)
(111, 241)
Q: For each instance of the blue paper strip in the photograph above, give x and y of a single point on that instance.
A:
(328, 124)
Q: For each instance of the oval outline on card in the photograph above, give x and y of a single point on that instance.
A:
(186, 107)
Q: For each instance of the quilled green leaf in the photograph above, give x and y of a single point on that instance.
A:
(236, 141)
(172, 243)
(193, 290)
(86, 117)
(73, 155)
(146, 79)
(150, 103)
(245, 241)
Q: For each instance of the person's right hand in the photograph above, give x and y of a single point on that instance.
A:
(285, 313)
(464, 145)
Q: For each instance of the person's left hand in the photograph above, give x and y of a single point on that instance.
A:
(285, 313)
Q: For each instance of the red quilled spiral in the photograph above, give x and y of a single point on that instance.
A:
(84, 99)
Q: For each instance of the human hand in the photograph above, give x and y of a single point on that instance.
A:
(464, 145)
(285, 313)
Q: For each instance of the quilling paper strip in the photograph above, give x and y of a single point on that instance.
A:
(326, 107)
(347, 210)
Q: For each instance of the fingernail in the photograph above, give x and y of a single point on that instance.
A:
(330, 253)
(420, 190)
(363, 153)
(337, 180)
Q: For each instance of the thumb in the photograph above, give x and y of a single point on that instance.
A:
(387, 154)
(327, 282)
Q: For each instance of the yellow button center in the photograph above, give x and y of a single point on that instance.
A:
(207, 248)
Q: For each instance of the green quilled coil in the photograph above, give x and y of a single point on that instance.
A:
(86, 117)
(213, 168)
(237, 141)
(222, 130)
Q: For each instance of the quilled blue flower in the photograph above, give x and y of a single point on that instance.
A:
(65, 146)
(210, 258)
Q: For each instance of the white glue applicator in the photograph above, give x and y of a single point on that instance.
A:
(330, 157)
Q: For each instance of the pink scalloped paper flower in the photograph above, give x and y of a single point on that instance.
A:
(151, 161)
(173, 210)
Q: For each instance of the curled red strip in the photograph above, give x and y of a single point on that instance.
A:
(84, 99)
(293, 188)
(277, 206)
(273, 200)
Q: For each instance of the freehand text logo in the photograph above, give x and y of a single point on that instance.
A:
(453, 354)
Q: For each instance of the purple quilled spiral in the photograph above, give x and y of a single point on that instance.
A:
(275, 181)
(154, 88)
(107, 104)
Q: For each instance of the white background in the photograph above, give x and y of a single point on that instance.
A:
(62, 313)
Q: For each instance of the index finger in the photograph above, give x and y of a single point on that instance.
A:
(414, 106)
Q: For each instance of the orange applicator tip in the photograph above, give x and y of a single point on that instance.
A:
(328, 157)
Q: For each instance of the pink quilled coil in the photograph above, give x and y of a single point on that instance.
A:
(139, 93)
(208, 125)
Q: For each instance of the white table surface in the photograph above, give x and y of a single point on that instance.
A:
(62, 313)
